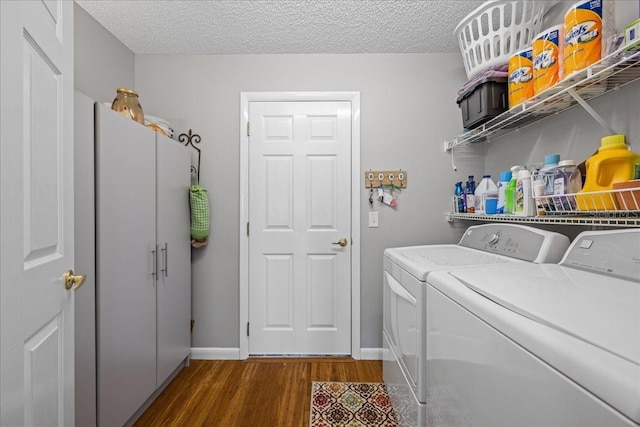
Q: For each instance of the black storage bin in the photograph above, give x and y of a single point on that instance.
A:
(484, 101)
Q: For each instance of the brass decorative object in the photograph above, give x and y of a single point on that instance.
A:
(127, 103)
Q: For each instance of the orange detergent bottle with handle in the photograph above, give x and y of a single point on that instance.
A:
(614, 162)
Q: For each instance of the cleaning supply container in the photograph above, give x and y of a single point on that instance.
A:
(505, 177)
(460, 201)
(524, 202)
(469, 194)
(566, 180)
(613, 163)
(548, 170)
(485, 188)
(510, 191)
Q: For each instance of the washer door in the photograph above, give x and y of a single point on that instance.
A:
(400, 323)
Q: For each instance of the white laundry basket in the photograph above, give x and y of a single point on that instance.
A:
(496, 30)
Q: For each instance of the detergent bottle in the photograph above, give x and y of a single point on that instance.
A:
(614, 162)
(505, 177)
(510, 191)
(524, 202)
(566, 180)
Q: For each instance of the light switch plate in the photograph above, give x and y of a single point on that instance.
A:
(373, 220)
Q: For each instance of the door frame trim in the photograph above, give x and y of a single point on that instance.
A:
(245, 99)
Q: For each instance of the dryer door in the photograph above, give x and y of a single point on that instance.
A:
(400, 324)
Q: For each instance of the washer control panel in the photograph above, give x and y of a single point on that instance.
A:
(516, 241)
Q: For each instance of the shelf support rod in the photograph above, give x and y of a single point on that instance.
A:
(591, 111)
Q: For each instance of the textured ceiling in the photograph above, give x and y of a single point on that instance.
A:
(277, 26)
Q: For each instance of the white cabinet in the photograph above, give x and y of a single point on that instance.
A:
(143, 288)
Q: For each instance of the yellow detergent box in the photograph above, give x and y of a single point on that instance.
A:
(632, 35)
(547, 57)
(583, 35)
(520, 77)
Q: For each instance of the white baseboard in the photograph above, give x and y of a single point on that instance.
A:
(213, 353)
(370, 354)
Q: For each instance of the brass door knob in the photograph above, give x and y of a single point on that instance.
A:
(73, 282)
(342, 242)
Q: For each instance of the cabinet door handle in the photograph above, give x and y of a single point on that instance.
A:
(154, 271)
(165, 259)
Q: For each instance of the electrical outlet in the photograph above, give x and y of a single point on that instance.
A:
(373, 220)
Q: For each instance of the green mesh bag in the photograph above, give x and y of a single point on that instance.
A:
(199, 203)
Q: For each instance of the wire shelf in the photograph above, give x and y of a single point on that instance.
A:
(610, 73)
(626, 219)
(615, 208)
(623, 201)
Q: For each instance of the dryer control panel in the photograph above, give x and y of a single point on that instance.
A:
(613, 253)
(516, 241)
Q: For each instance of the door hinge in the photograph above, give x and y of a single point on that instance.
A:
(247, 328)
(248, 129)
(247, 228)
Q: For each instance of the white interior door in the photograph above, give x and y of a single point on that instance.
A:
(36, 193)
(299, 208)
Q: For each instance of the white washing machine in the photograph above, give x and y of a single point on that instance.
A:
(539, 345)
(406, 271)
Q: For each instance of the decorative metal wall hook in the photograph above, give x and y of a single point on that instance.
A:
(191, 139)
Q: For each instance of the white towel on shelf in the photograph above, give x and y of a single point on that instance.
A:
(161, 123)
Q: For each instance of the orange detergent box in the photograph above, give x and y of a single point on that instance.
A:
(547, 56)
(583, 35)
(520, 77)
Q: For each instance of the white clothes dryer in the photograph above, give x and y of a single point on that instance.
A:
(406, 271)
(539, 345)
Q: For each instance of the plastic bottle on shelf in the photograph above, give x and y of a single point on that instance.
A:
(505, 177)
(485, 187)
(524, 203)
(614, 162)
(469, 193)
(459, 192)
(548, 170)
(567, 180)
(510, 191)
(542, 203)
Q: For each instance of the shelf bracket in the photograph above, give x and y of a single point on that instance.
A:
(591, 111)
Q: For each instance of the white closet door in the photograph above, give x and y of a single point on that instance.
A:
(36, 213)
(174, 262)
(126, 290)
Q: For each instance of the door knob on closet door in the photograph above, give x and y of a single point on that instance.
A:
(342, 242)
(73, 282)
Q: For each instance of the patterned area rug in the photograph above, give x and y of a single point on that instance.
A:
(335, 404)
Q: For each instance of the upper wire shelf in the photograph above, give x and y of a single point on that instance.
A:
(610, 73)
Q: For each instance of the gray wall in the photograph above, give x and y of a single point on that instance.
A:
(101, 62)
(573, 134)
(407, 110)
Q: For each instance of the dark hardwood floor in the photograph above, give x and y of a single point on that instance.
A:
(261, 392)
